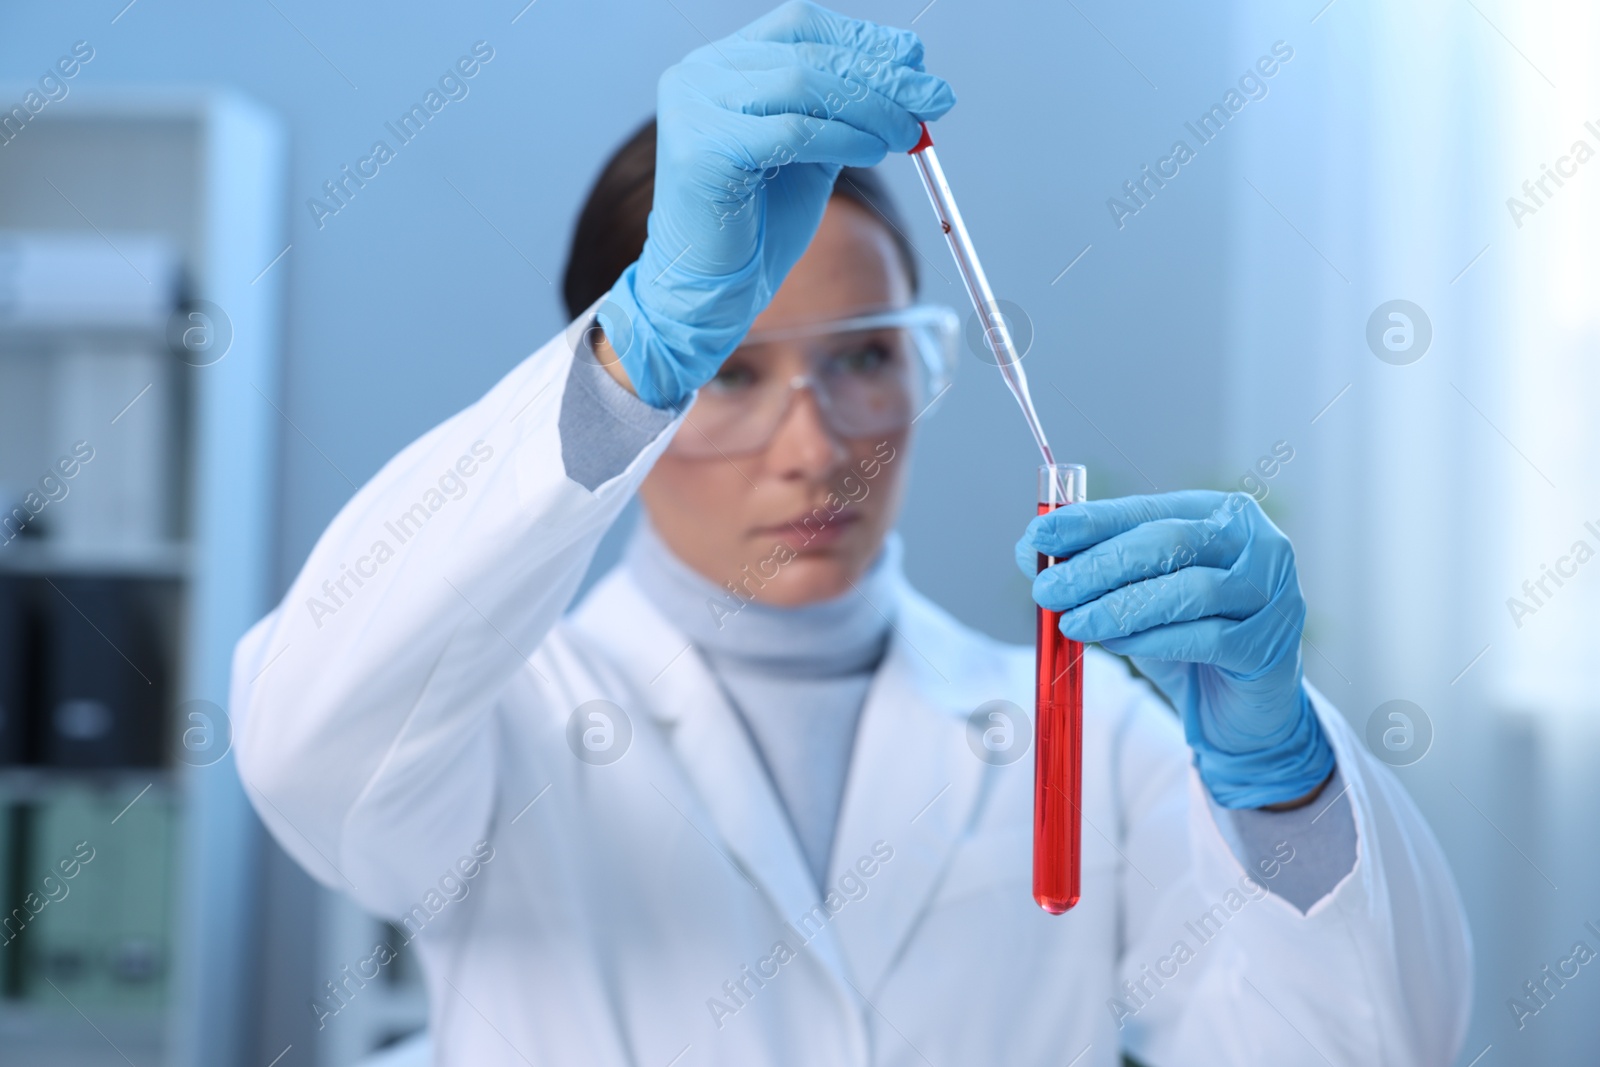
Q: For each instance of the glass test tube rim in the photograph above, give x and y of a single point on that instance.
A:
(1063, 483)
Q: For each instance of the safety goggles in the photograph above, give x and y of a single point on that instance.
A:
(869, 374)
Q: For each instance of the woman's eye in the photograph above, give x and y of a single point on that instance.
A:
(863, 359)
(731, 378)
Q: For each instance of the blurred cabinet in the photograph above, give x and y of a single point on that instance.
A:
(140, 236)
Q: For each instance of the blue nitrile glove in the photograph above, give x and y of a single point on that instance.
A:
(751, 133)
(1199, 589)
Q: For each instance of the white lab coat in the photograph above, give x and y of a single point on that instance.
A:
(386, 732)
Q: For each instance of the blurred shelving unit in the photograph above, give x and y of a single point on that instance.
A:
(140, 310)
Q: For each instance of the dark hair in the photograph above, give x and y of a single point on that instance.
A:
(613, 224)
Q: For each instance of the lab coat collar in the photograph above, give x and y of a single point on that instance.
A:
(912, 787)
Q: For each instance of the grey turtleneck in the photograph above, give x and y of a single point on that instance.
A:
(797, 676)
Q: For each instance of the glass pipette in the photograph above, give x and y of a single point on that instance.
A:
(983, 301)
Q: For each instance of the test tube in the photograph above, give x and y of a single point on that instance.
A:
(1058, 718)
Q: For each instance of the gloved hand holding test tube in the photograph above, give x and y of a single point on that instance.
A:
(1058, 709)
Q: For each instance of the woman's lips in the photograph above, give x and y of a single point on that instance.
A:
(811, 529)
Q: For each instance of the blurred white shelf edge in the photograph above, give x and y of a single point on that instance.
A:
(42, 1037)
(170, 560)
(54, 280)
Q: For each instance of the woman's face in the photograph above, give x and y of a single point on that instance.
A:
(761, 509)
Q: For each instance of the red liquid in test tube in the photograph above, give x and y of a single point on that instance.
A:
(1058, 716)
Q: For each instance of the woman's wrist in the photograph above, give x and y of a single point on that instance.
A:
(1286, 771)
(612, 363)
(1300, 802)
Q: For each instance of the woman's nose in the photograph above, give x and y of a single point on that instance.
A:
(805, 444)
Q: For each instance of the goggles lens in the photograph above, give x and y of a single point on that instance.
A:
(869, 374)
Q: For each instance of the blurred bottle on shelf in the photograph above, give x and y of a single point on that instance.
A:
(121, 499)
(98, 926)
(18, 653)
(104, 683)
(89, 391)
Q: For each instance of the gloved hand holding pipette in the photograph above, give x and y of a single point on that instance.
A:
(1200, 590)
(752, 132)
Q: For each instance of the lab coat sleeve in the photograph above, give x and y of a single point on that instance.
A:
(1217, 970)
(362, 706)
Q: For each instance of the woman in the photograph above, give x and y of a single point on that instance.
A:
(730, 808)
